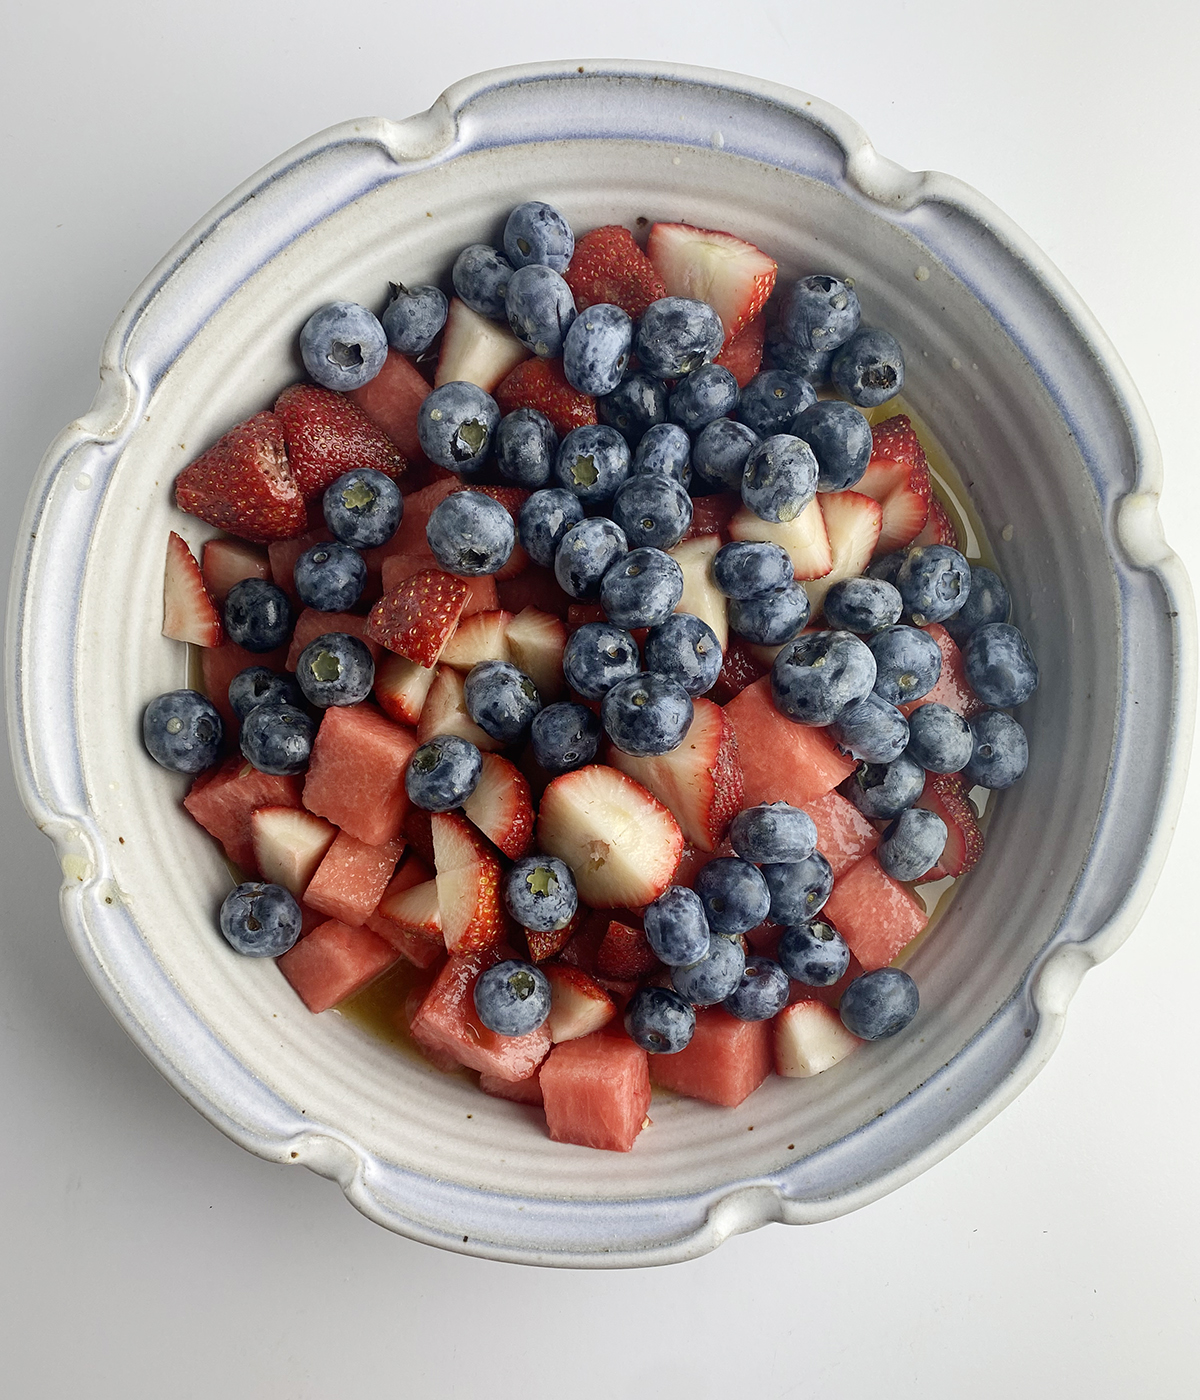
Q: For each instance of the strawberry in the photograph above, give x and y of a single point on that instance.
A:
(701, 595)
(244, 483)
(536, 641)
(946, 794)
(608, 266)
(481, 637)
(806, 538)
(809, 1038)
(541, 384)
(578, 1004)
(476, 350)
(625, 953)
(418, 617)
(226, 562)
(897, 476)
(188, 611)
(739, 669)
(853, 522)
(481, 597)
(548, 945)
(952, 689)
(289, 844)
(711, 514)
(742, 356)
(939, 528)
(409, 918)
(401, 687)
(327, 435)
(445, 712)
(500, 806)
(468, 885)
(733, 276)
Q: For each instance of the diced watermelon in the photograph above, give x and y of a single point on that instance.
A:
(225, 562)
(875, 914)
(350, 881)
(726, 1060)
(333, 962)
(481, 597)
(782, 761)
(596, 1092)
(223, 801)
(844, 835)
(534, 588)
(742, 356)
(283, 555)
(391, 400)
(527, 1091)
(219, 665)
(312, 624)
(356, 772)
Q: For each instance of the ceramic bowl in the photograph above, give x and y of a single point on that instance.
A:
(1023, 391)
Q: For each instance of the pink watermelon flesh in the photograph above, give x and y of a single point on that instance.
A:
(223, 801)
(726, 1060)
(875, 914)
(596, 1092)
(517, 1090)
(844, 835)
(391, 400)
(356, 772)
(283, 555)
(333, 962)
(782, 761)
(312, 624)
(350, 881)
(219, 665)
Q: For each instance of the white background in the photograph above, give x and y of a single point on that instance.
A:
(146, 1256)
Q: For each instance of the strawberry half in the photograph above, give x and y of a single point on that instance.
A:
(476, 350)
(188, 611)
(711, 514)
(401, 687)
(226, 562)
(739, 668)
(625, 953)
(897, 476)
(946, 794)
(547, 945)
(541, 384)
(536, 641)
(608, 266)
(244, 484)
(939, 528)
(468, 885)
(327, 435)
(578, 1004)
(853, 522)
(480, 637)
(733, 276)
(418, 617)
(500, 806)
(742, 356)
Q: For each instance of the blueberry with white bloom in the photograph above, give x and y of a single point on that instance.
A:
(443, 773)
(676, 927)
(780, 478)
(677, 335)
(908, 663)
(330, 577)
(540, 308)
(277, 739)
(814, 954)
(258, 616)
(721, 451)
(525, 446)
(642, 589)
(699, 398)
(939, 739)
(879, 1004)
(538, 233)
(564, 736)
(592, 461)
(815, 677)
(869, 369)
(912, 844)
(660, 1020)
(1000, 665)
(257, 685)
(335, 669)
(840, 438)
(870, 729)
(540, 894)
(762, 990)
(772, 620)
(863, 605)
(182, 731)
(798, 888)
(501, 699)
(746, 569)
(596, 349)
(773, 832)
(1001, 752)
(646, 715)
(734, 894)
(363, 508)
(456, 424)
(635, 405)
(480, 276)
(260, 920)
(586, 553)
(470, 534)
(821, 313)
(987, 601)
(709, 981)
(782, 353)
(654, 510)
(343, 346)
(934, 582)
(771, 401)
(664, 450)
(414, 317)
(543, 521)
(685, 649)
(512, 997)
(884, 790)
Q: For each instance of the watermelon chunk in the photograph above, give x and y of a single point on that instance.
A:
(875, 914)
(596, 1091)
(312, 624)
(782, 761)
(219, 665)
(356, 772)
(528, 1091)
(333, 962)
(222, 802)
(844, 835)
(225, 562)
(351, 879)
(726, 1060)
(391, 400)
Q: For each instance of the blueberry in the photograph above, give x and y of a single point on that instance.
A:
(414, 317)
(871, 729)
(335, 669)
(701, 397)
(734, 894)
(642, 588)
(771, 401)
(814, 954)
(908, 663)
(564, 736)
(258, 616)
(480, 276)
(798, 889)
(815, 677)
(635, 405)
(711, 980)
(773, 832)
(676, 927)
(501, 699)
(884, 790)
(912, 844)
(863, 605)
(470, 534)
(456, 423)
(540, 308)
(512, 997)
(343, 346)
(260, 920)
(879, 1003)
(182, 731)
(277, 739)
(1001, 752)
(762, 990)
(934, 581)
(659, 1020)
(330, 577)
(685, 649)
(539, 892)
(780, 478)
(677, 335)
(840, 438)
(869, 369)
(443, 773)
(886, 569)
(748, 570)
(653, 509)
(987, 601)
(592, 461)
(256, 685)
(597, 656)
(720, 452)
(939, 739)
(363, 508)
(646, 715)
(586, 553)
(1000, 666)
(543, 521)
(773, 620)
(596, 349)
(664, 450)
(525, 446)
(813, 365)
(821, 313)
(538, 233)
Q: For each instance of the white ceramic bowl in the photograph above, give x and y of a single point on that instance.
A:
(1018, 383)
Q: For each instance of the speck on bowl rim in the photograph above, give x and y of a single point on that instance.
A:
(1022, 389)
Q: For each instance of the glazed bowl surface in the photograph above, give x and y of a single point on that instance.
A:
(1022, 391)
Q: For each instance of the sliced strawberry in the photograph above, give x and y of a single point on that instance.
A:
(391, 401)
(853, 522)
(410, 920)
(536, 641)
(327, 435)
(501, 807)
(810, 1038)
(711, 514)
(226, 562)
(578, 1003)
(608, 266)
(742, 356)
(541, 384)
(733, 276)
(244, 483)
(445, 712)
(625, 953)
(897, 476)
(549, 944)
(939, 528)
(946, 794)
(739, 668)
(401, 687)
(481, 637)
(418, 617)
(701, 596)
(468, 885)
(806, 538)
(476, 350)
(188, 611)
(952, 689)
(289, 844)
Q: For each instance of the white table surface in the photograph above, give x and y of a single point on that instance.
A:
(144, 1255)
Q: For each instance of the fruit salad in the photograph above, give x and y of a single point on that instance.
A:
(592, 644)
